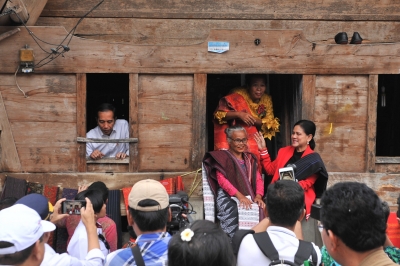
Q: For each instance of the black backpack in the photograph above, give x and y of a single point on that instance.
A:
(305, 250)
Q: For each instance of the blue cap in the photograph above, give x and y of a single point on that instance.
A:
(37, 202)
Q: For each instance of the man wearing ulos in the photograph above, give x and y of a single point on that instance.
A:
(108, 127)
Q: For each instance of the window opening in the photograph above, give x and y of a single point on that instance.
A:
(388, 109)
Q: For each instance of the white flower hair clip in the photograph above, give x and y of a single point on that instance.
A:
(187, 234)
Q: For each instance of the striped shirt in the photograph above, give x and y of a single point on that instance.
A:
(154, 249)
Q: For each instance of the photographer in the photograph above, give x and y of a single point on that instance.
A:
(148, 215)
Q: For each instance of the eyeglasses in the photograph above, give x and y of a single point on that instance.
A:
(239, 141)
(103, 239)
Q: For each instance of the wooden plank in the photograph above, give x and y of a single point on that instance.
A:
(232, 9)
(46, 146)
(308, 97)
(199, 122)
(387, 167)
(163, 135)
(89, 140)
(9, 159)
(34, 8)
(133, 121)
(164, 159)
(50, 98)
(108, 168)
(170, 103)
(107, 161)
(341, 99)
(342, 146)
(143, 31)
(9, 33)
(281, 52)
(387, 160)
(371, 123)
(81, 121)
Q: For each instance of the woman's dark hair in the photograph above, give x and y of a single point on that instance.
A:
(95, 196)
(98, 185)
(309, 128)
(249, 77)
(209, 246)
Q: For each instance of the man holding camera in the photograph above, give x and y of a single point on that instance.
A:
(148, 214)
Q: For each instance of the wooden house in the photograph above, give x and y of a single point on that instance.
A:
(150, 58)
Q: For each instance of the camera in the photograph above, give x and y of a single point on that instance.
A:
(181, 218)
(286, 173)
(72, 207)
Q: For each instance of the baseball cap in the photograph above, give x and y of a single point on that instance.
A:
(21, 226)
(39, 203)
(148, 189)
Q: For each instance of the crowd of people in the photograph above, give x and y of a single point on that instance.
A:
(353, 218)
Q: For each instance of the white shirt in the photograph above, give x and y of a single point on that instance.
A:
(78, 245)
(120, 131)
(284, 240)
(93, 258)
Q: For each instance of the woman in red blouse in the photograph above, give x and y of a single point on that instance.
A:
(310, 170)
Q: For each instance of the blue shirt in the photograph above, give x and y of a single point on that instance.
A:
(154, 249)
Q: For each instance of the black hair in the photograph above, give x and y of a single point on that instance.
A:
(95, 196)
(209, 246)
(17, 257)
(309, 128)
(7, 202)
(285, 202)
(104, 107)
(98, 185)
(249, 77)
(386, 210)
(353, 212)
(152, 220)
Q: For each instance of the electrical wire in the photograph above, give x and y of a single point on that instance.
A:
(55, 52)
(15, 78)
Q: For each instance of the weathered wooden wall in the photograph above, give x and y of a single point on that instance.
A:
(285, 52)
(43, 124)
(165, 122)
(235, 9)
(341, 117)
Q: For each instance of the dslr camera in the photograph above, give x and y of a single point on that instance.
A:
(287, 173)
(180, 212)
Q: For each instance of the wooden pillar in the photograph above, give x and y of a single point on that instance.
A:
(81, 120)
(308, 97)
(199, 119)
(371, 123)
(133, 122)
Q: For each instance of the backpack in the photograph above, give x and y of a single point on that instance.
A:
(305, 250)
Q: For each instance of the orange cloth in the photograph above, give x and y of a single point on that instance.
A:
(393, 229)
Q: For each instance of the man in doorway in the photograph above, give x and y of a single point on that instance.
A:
(108, 127)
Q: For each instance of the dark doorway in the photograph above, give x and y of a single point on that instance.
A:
(285, 91)
(388, 109)
(106, 88)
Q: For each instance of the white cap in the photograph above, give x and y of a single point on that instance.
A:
(21, 226)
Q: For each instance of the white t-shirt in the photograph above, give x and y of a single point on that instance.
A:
(120, 131)
(78, 245)
(284, 240)
(94, 258)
